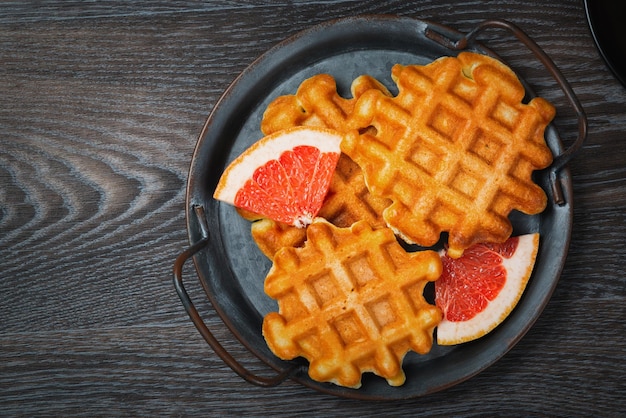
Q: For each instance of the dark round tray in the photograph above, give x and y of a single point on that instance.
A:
(230, 267)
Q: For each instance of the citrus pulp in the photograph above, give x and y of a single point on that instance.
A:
(477, 291)
(283, 176)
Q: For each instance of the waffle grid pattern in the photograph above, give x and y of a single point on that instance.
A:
(351, 301)
(455, 150)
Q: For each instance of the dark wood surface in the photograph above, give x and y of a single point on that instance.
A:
(101, 104)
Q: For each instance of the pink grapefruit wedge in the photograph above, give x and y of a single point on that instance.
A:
(477, 291)
(283, 176)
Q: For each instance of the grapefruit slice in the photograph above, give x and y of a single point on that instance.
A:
(477, 291)
(283, 176)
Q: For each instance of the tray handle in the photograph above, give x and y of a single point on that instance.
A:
(561, 160)
(201, 326)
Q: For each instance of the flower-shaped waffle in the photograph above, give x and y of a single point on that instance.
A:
(351, 301)
(454, 150)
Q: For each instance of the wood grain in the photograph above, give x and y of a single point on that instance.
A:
(100, 108)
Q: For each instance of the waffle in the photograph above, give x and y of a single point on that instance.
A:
(270, 236)
(317, 103)
(454, 150)
(351, 301)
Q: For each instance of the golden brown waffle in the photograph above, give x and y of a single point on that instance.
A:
(351, 301)
(348, 200)
(317, 103)
(270, 236)
(454, 150)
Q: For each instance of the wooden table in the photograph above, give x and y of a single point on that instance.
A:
(101, 105)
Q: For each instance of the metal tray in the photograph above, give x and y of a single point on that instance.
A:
(230, 267)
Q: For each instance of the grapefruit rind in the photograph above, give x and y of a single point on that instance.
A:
(270, 147)
(519, 268)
